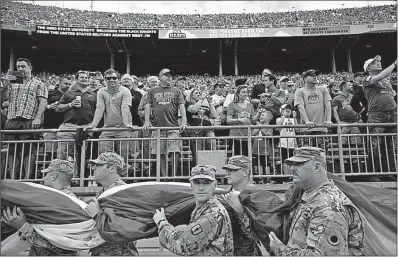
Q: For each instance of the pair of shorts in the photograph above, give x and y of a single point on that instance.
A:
(169, 145)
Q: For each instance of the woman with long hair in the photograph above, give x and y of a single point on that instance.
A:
(241, 112)
(200, 110)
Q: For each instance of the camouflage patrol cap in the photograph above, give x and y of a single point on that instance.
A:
(305, 154)
(109, 158)
(238, 162)
(203, 171)
(60, 166)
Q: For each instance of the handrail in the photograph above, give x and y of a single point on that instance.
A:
(297, 24)
(201, 127)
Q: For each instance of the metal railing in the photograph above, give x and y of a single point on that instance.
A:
(359, 154)
(31, 24)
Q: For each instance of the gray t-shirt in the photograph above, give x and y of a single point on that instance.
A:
(236, 112)
(314, 102)
(380, 96)
(165, 102)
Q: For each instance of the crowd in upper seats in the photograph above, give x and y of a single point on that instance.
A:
(36, 14)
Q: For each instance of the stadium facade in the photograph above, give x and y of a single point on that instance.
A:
(59, 49)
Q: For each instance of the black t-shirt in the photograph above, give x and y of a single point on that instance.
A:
(201, 118)
(136, 97)
(258, 89)
(53, 119)
(83, 115)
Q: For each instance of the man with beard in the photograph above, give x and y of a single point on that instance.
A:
(78, 107)
(209, 231)
(165, 101)
(325, 222)
(27, 102)
(239, 174)
(108, 169)
(58, 176)
(113, 102)
(53, 119)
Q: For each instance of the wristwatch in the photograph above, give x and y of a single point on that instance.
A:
(70, 105)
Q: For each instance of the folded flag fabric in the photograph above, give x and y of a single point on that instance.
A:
(54, 215)
(127, 211)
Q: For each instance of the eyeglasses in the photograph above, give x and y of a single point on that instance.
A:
(111, 78)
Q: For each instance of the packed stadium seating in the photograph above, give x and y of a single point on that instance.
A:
(16, 12)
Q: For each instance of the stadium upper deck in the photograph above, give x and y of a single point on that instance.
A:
(16, 12)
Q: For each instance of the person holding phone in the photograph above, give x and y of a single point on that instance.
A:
(27, 97)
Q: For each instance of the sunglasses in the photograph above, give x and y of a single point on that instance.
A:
(290, 85)
(111, 78)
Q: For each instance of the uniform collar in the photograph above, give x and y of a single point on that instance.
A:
(308, 197)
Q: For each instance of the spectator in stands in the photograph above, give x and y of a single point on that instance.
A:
(287, 142)
(181, 84)
(291, 89)
(240, 112)
(136, 96)
(136, 85)
(53, 119)
(78, 106)
(218, 101)
(314, 104)
(230, 96)
(165, 101)
(27, 103)
(334, 89)
(262, 147)
(200, 111)
(95, 81)
(345, 114)
(382, 108)
(358, 101)
(273, 97)
(283, 83)
(258, 89)
(113, 102)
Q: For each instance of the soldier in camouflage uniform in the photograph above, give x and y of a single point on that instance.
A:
(108, 168)
(326, 222)
(239, 176)
(210, 231)
(59, 175)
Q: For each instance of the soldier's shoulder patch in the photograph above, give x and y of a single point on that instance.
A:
(196, 230)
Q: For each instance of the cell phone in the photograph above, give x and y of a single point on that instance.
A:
(18, 75)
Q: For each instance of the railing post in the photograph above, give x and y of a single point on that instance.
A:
(82, 162)
(158, 155)
(341, 157)
(249, 142)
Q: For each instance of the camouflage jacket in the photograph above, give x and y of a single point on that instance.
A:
(327, 223)
(209, 232)
(114, 248)
(40, 245)
(246, 243)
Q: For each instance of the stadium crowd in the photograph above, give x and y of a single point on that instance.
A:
(94, 99)
(13, 12)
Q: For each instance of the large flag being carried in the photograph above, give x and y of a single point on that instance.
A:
(127, 211)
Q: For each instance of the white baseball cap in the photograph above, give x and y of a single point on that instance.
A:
(366, 64)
